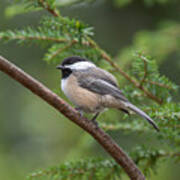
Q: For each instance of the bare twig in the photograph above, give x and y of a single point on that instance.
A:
(51, 98)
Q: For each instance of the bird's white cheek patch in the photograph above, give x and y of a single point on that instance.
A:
(81, 65)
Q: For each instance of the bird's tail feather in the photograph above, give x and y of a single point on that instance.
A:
(142, 114)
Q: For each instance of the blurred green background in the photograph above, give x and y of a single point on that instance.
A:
(32, 134)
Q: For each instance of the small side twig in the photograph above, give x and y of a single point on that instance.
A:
(45, 5)
(159, 84)
(62, 49)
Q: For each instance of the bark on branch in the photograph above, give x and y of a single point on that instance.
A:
(55, 101)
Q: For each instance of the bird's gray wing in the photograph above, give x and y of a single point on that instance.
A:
(97, 73)
(106, 76)
(99, 85)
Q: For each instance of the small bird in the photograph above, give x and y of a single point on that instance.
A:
(92, 89)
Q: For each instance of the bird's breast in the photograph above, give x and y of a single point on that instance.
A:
(81, 97)
(64, 85)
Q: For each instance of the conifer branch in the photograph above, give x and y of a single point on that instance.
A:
(34, 37)
(89, 168)
(93, 44)
(115, 66)
(59, 104)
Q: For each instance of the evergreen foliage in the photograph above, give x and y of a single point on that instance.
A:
(83, 169)
(62, 37)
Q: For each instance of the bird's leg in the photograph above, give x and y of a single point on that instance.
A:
(79, 110)
(94, 119)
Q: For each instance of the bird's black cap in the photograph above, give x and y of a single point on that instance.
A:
(72, 60)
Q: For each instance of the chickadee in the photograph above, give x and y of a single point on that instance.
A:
(92, 89)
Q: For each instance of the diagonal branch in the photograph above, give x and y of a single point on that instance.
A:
(55, 101)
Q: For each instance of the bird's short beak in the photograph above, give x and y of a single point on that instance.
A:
(59, 67)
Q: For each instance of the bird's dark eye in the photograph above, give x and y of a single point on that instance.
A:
(66, 72)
